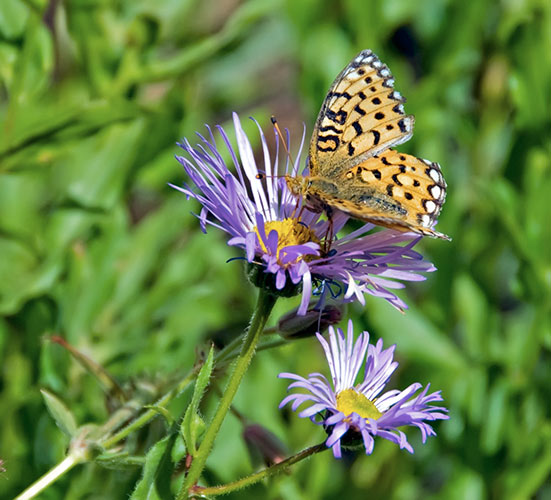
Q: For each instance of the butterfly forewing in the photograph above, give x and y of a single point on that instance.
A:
(361, 116)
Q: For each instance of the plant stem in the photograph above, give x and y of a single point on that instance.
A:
(258, 476)
(51, 476)
(263, 308)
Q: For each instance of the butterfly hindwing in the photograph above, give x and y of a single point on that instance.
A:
(394, 189)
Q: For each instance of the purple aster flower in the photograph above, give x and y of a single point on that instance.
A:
(353, 412)
(256, 208)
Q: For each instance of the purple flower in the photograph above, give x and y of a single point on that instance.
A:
(261, 216)
(354, 412)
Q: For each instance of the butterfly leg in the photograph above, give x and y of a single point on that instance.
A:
(295, 210)
(329, 234)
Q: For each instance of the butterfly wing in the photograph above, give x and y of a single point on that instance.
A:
(395, 190)
(361, 116)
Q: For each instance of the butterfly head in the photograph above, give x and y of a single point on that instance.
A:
(297, 185)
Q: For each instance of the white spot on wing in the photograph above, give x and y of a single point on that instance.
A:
(425, 220)
(434, 175)
(435, 191)
(430, 206)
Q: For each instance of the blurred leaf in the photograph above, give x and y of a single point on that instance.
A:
(415, 335)
(60, 413)
(13, 17)
(497, 416)
(472, 311)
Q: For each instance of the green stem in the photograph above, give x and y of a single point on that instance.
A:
(263, 308)
(258, 476)
(51, 476)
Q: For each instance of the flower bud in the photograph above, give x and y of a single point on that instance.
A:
(264, 446)
(292, 326)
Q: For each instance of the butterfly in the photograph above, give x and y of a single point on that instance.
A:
(351, 165)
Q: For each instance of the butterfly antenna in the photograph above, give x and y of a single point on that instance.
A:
(280, 134)
(278, 130)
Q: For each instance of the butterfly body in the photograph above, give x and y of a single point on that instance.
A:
(351, 165)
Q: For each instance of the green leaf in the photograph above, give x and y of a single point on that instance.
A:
(414, 333)
(192, 424)
(498, 408)
(119, 461)
(60, 413)
(13, 16)
(155, 481)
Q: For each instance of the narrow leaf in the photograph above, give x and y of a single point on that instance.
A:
(60, 413)
(192, 424)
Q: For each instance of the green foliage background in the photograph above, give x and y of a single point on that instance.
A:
(95, 247)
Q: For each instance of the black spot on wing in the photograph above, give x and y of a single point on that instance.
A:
(376, 137)
(328, 143)
(346, 95)
(339, 117)
(396, 180)
(357, 128)
(359, 110)
(398, 109)
(331, 128)
(402, 125)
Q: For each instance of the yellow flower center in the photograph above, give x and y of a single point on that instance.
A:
(349, 401)
(290, 232)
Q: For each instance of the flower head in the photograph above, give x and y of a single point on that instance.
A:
(261, 216)
(353, 411)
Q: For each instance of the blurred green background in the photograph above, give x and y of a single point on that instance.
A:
(95, 247)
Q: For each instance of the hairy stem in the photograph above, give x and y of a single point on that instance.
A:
(263, 308)
(259, 476)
